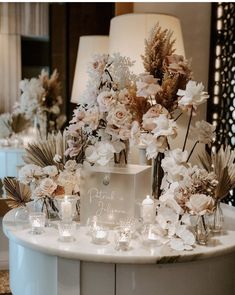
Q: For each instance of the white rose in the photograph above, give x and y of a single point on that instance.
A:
(29, 173)
(193, 95)
(154, 112)
(106, 99)
(119, 116)
(164, 126)
(200, 204)
(153, 145)
(179, 156)
(101, 153)
(50, 171)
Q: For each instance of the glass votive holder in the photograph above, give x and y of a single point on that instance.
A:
(150, 236)
(122, 239)
(92, 224)
(100, 235)
(67, 207)
(37, 222)
(67, 231)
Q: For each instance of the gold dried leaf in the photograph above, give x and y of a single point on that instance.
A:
(18, 193)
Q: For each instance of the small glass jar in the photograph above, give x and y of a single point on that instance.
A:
(66, 231)
(150, 236)
(100, 235)
(122, 239)
(37, 222)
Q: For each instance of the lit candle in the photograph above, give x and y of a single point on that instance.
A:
(36, 223)
(66, 209)
(123, 238)
(100, 235)
(148, 212)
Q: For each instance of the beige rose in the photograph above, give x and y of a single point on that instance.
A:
(47, 187)
(154, 112)
(200, 204)
(119, 116)
(106, 100)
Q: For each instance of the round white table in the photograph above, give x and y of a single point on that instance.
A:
(42, 265)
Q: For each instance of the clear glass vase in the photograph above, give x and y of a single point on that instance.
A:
(218, 219)
(21, 215)
(202, 230)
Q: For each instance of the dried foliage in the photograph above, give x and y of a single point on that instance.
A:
(43, 151)
(5, 129)
(52, 89)
(12, 123)
(19, 122)
(18, 193)
(139, 107)
(222, 164)
(157, 47)
(172, 70)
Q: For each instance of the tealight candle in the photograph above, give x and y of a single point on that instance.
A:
(37, 221)
(148, 211)
(66, 231)
(66, 210)
(100, 235)
(122, 239)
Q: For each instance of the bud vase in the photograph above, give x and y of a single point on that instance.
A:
(202, 230)
(218, 219)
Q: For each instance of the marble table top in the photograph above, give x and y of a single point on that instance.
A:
(83, 249)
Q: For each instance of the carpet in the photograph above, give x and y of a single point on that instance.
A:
(4, 283)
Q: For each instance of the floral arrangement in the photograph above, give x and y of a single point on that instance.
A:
(123, 110)
(48, 172)
(40, 98)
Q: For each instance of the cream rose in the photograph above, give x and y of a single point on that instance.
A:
(47, 186)
(119, 116)
(154, 112)
(193, 95)
(51, 171)
(106, 100)
(200, 204)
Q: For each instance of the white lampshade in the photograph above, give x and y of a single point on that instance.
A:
(88, 46)
(129, 31)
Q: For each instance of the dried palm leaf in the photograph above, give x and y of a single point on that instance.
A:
(205, 161)
(18, 193)
(42, 152)
(222, 163)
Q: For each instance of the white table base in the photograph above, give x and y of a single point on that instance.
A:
(36, 273)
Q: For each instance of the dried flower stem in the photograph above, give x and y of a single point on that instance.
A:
(192, 150)
(178, 117)
(189, 123)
